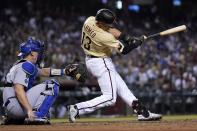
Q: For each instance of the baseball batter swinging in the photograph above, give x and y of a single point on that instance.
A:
(23, 102)
(98, 40)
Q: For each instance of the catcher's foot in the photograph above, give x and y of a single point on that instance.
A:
(72, 113)
(151, 117)
(11, 121)
(37, 121)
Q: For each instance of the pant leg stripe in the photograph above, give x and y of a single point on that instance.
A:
(111, 89)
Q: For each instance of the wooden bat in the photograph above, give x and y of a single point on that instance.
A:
(168, 32)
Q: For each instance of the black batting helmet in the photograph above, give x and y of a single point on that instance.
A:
(106, 16)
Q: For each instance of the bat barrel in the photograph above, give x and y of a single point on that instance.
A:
(168, 32)
(173, 30)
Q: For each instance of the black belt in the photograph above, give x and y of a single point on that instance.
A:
(91, 56)
(8, 84)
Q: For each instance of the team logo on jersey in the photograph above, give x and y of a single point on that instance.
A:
(27, 75)
(26, 81)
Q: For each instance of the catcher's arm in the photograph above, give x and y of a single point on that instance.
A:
(76, 71)
(22, 98)
(49, 72)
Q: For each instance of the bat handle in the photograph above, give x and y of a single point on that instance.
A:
(151, 36)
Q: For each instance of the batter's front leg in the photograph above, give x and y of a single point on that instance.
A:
(143, 113)
(124, 92)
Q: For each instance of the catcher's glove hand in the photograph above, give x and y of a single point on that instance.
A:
(77, 72)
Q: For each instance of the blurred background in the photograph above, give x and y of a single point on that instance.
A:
(162, 73)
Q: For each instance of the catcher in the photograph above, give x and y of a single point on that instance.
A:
(28, 104)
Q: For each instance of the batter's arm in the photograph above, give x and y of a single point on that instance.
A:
(127, 43)
(115, 32)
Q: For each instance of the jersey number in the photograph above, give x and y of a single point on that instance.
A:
(87, 41)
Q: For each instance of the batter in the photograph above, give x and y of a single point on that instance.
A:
(98, 40)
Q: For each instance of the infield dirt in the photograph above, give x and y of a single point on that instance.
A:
(179, 125)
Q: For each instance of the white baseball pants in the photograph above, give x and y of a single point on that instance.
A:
(111, 85)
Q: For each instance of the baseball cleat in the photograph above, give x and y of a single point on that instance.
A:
(11, 121)
(151, 117)
(72, 113)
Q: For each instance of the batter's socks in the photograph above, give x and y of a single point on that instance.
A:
(75, 107)
(140, 109)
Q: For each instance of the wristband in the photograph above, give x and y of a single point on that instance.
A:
(57, 72)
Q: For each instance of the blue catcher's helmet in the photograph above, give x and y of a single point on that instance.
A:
(32, 45)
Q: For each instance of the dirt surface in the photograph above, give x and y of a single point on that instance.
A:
(181, 125)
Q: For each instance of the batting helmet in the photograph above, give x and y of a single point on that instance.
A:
(106, 16)
(32, 45)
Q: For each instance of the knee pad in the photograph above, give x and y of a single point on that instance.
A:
(139, 108)
(47, 97)
(52, 88)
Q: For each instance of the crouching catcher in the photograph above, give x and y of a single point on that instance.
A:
(28, 104)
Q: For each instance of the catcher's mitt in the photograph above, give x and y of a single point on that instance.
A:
(77, 72)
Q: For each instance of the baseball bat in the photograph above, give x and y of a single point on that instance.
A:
(168, 32)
